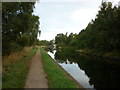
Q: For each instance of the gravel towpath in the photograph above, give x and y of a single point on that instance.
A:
(36, 77)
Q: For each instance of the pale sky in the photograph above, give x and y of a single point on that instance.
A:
(61, 16)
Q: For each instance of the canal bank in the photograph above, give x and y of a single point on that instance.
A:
(109, 55)
(56, 75)
(90, 71)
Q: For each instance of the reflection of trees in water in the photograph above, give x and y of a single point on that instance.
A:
(64, 54)
(50, 49)
(101, 74)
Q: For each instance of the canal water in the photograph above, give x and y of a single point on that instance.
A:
(89, 71)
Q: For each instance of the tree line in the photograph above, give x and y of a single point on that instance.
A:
(101, 34)
(19, 26)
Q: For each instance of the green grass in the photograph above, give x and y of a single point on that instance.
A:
(55, 75)
(15, 76)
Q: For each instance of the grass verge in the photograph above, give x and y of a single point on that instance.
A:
(15, 75)
(111, 54)
(55, 75)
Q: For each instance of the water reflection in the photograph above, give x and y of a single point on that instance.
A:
(89, 71)
(77, 73)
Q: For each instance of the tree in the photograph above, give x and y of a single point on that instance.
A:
(101, 34)
(19, 25)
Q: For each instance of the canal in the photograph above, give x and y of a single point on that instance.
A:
(89, 71)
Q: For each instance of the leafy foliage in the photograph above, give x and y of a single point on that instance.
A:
(62, 40)
(102, 34)
(19, 25)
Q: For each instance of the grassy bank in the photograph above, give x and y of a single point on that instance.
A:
(15, 74)
(55, 75)
(110, 55)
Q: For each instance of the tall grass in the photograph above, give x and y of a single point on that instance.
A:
(15, 56)
(14, 75)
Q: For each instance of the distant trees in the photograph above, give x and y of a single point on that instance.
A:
(43, 43)
(62, 40)
(102, 34)
(19, 26)
(47, 45)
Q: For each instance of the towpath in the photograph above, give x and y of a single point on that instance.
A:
(36, 77)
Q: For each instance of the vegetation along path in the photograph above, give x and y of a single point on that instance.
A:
(36, 77)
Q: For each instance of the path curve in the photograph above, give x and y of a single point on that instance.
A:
(36, 77)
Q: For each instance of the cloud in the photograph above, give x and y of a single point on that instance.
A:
(64, 30)
(49, 35)
(81, 1)
(59, 17)
(84, 15)
(66, 1)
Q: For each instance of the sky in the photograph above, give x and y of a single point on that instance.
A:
(61, 16)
